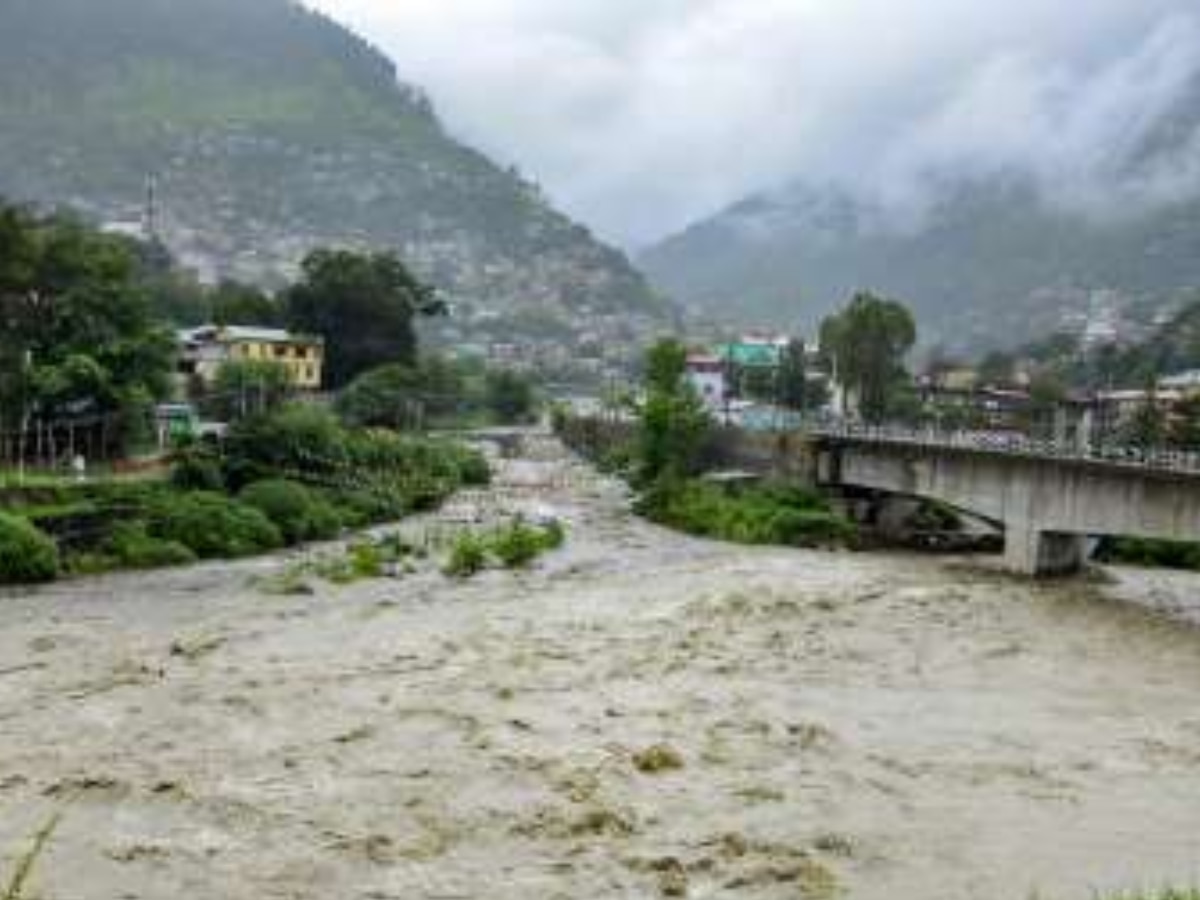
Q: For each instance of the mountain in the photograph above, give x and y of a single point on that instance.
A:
(266, 129)
(994, 260)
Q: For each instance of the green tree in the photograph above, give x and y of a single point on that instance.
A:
(794, 388)
(403, 397)
(672, 423)
(246, 387)
(1147, 429)
(1185, 425)
(364, 305)
(866, 346)
(233, 303)
(77, 334)
(997, 369)
(1047, 393)
(511, 398)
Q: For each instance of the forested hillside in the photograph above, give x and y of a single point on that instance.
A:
(266, 130)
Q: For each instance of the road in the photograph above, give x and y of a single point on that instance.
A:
(643, 715)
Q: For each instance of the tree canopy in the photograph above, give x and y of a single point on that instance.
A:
(364, 305)
(77, 335)
(866, 345)
(672, 421)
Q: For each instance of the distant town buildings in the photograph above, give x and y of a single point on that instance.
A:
(202, 352)
(707, 374)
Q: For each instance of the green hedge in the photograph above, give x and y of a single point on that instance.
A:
(131, 547)
(27, 556)
(299, 514)
(197, 470)
(213, 526)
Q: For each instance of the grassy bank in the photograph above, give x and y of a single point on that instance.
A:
(279, 480)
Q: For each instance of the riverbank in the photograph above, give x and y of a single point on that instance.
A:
(642, 714)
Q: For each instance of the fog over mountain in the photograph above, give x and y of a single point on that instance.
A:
(642, 116)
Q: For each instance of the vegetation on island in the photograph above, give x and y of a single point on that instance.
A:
(515, 545)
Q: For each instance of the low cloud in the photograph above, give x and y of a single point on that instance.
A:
(639, 116)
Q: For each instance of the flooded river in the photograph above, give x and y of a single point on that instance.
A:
(642, 715)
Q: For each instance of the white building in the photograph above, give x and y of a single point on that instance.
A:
(707, 375)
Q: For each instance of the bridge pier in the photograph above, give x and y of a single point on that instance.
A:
(1031, 551)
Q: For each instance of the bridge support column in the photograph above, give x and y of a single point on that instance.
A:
(1029, 551)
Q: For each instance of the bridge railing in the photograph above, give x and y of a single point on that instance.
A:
(1010, 444)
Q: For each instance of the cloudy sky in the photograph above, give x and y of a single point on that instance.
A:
(640, 116)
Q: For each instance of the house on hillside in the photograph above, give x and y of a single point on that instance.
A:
(203, 350)
(707, 376)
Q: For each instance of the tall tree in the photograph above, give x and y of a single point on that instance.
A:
(672, 420)
(865, 346)
(793, 377)
(234, 303)
(1147, 428)
(77, 337)
(364, 305)
(1185, 424)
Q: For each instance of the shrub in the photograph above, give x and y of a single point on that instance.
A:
(366, 561)
(554, 535)
(308, 444)
(298, 513)
(1151, 553)
(468, 556)
(214, 527)
(759, 515)
(131, 547)
(295, 439)
(325, 521)
(517, 545)
(27, 556)
(510, 397)
(195, 470)
(473, 468)
(360, 508)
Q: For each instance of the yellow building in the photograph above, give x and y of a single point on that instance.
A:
(202, 352)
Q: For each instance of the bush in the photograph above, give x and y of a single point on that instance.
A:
(554, 535)
(214, 527)
(308, 444)
(785, 516)
(517, 545)
(27, 556)
(298, 513)
(1151, 553)
(358, 509)
(473, 468)
(197, 471)
(468, 556)
(131, 547)
(510, 397)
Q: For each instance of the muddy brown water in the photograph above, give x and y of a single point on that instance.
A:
(877, 727)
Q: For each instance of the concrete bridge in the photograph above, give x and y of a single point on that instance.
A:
(1051, 500)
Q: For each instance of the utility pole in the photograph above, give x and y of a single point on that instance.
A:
(150, 216)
